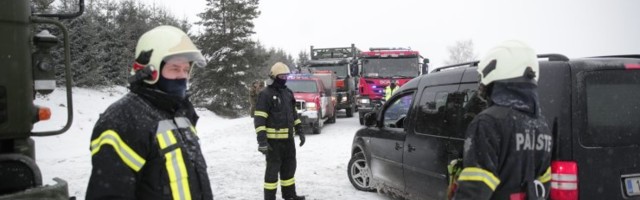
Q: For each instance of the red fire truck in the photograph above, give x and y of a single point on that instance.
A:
(378, 67)
(315, 96)
(342, 61)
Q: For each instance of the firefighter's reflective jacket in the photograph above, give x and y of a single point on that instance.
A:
(388, 92)
(275, 114)
(146, 147)
(507, 151)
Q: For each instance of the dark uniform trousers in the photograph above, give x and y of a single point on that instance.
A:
(280, 160)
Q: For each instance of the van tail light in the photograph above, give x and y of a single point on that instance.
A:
(632, 66)
(564, 180)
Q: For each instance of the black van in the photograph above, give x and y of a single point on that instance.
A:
(591, 104)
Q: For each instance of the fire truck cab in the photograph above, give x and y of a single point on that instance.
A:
(315, 96)
(378, 67)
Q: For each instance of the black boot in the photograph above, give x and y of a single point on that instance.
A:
(296, 197)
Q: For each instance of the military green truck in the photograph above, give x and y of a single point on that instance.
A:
(342, 61)
(27, 67)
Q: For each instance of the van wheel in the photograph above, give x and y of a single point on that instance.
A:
(359, 173)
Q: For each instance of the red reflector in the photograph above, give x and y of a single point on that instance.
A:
(632, 66)
(44, 113)
(564, 180)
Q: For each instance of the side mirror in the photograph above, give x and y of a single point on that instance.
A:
(370, 119)
(425, 66)
(354, 69)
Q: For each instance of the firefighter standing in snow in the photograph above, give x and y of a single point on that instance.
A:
(507, 151)
(275, 118)
(144, 146)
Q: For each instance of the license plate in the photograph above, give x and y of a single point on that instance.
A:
(632, 186)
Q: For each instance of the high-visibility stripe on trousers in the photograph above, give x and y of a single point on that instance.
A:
(281, 166)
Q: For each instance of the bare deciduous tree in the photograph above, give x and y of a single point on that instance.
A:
(462, 51)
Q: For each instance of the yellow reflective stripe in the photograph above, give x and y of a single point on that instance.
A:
(128, 156)
(261, 128)
(176, 169)
(479, 174)
(288, 182)
(260, 114)
(271, 186)
(273, 130)
(277, 136)
(546, 177)
(297, 122)
(193, 129)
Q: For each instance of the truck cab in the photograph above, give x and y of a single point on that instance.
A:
(378, 67)
(315, 100)
(342, 62)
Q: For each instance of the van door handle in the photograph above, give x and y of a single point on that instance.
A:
(411, 148)
(398, 147)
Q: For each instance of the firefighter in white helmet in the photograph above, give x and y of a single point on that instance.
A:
(276, 121)
(144, 146)
(507, 150)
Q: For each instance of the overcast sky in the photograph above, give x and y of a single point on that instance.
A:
(576, 28)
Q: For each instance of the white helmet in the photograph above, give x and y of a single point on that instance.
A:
(163, 42)
(511, 59)
(279, 68)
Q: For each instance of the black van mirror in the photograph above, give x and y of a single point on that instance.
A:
(370, 119)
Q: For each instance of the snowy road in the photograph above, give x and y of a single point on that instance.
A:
(236, 168)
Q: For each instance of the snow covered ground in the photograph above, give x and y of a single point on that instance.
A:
(235, 167)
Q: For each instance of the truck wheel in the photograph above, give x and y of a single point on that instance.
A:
(361, 121)
(332, 119)
(359, 173)
(349, 111)
(316, 129)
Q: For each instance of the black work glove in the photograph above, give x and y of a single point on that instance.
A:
(264, 147)
(302, 138)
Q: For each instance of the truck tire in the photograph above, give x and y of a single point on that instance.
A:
(349, 111)
(316, 129)
(332, 119)
(361, 121)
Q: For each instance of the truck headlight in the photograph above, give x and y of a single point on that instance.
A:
(311, 106)
(364, 101)
(344, 99)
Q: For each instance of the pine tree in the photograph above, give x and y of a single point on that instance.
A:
(231, 54)
(303, 58)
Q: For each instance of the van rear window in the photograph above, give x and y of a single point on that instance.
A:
(613, 108)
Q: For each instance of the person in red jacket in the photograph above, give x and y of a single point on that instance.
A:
(507, 150)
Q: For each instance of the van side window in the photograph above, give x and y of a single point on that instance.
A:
(471, 106)
(612, 108)
(432, 109)
(398, 110)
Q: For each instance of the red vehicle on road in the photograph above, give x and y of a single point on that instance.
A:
(378, 66)
(315, 96)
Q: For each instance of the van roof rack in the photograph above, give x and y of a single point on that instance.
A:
(551, 57)
(619, 56)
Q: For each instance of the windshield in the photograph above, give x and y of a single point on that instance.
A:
(340, 70)
(390, 67)
(305, 86)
